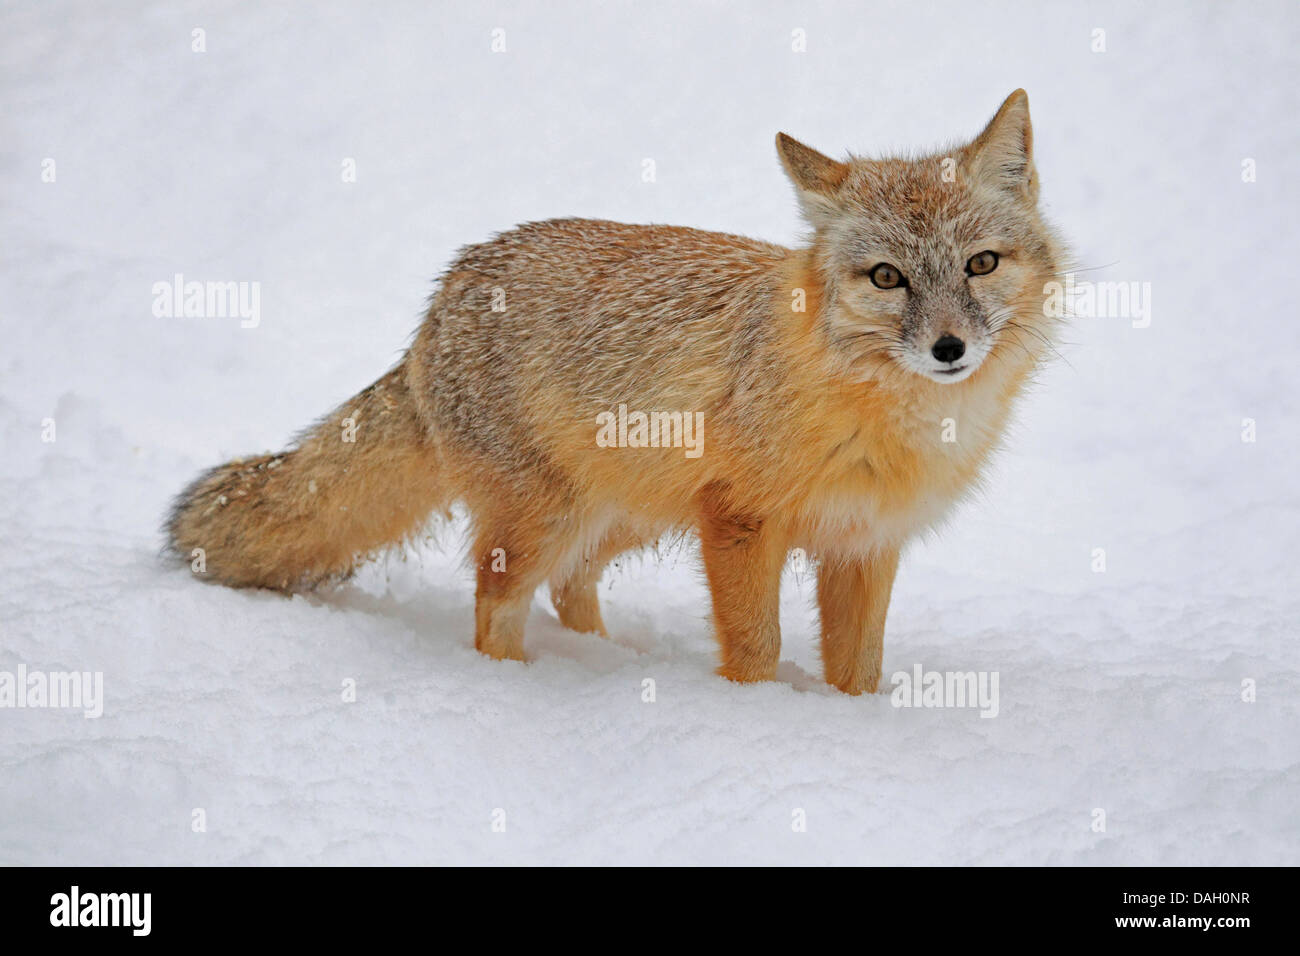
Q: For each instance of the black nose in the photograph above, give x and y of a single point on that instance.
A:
(949, 348)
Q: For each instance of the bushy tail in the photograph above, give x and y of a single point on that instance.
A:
(363, 478)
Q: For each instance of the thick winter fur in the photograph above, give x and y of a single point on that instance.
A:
(824, 416)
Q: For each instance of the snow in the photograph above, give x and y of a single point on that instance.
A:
(1120, 691)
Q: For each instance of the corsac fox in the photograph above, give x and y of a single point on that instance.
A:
(584, 387)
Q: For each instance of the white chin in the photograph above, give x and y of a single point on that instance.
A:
(950, 376)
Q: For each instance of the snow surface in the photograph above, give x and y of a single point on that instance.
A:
(1119, 691)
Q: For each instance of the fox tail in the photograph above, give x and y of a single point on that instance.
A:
(361, 479)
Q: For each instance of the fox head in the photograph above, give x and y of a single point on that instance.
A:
(933, 264)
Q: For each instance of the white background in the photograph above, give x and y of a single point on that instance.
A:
(1119, 691)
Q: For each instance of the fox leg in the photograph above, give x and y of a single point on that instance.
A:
(743, 557)
(853, 597)
(574, 593)
(510, 566)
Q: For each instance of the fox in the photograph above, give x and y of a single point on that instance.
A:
(847, 394)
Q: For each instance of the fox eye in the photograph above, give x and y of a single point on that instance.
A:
(982, 263)
(885, 276)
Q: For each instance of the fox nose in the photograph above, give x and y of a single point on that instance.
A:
(948, 348)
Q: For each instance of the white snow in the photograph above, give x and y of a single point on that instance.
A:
(1119, 691)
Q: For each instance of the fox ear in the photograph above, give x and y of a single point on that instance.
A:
(817, 178)
(1003, 155)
